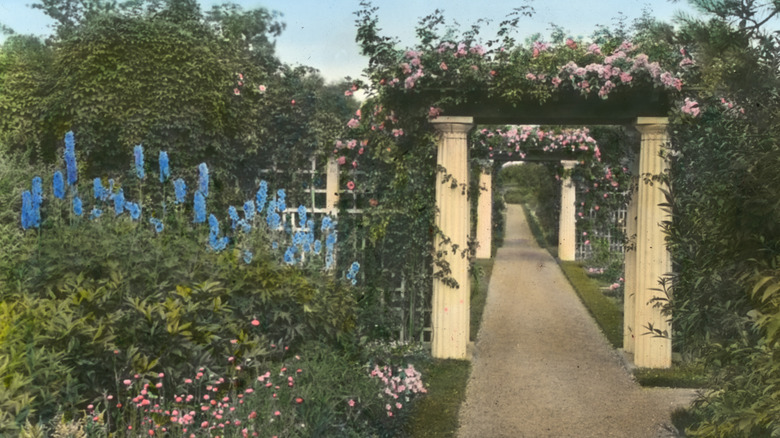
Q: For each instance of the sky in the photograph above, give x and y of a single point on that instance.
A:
(321, 33)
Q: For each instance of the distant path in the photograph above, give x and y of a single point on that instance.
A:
(542, 367)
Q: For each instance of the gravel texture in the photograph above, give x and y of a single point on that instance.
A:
(542, 367)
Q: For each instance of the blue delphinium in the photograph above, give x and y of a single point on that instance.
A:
(77, 206)
(233, 213)
(158, 224)
(289, 255)
(297, 238)
(119, 202)
(27, 215)
(138, 155)
(58, 185)
(180, 189)
(272, 217)
(165, 170)
(330, 243)
(109, 194)
(37, 198)
(134, 209)
(70, 158)
(275, 245)
(261, 196)
(352, 273)
(217, 243)
(302, 215)
(203, 179)
(96, 213)
(317, 246)
(245, 226)
(37, 191)
(280, 200)
(248, 256)
(327, 224)
(200, 208)
(98, 189)
(249, 210)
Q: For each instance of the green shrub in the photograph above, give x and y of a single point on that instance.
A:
(91, 300)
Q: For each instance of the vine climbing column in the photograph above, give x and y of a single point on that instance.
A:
(485, 213)
(653, 335)
(629, 289)
(451, 285)
(567, 230)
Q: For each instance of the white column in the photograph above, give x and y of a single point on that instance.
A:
(450, 305)
(567, 229)
(629, 286)
(332, 187)
(653, 260)
(485, 214)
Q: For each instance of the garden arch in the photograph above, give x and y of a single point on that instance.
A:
(648, 260)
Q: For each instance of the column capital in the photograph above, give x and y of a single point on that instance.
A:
(569, 164)
(453, 124)
(651, 125)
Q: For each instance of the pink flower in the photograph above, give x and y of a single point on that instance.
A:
(556, 81)
(205, 424)
(443, 65)
(158, 385)
(127, 382)
(342, 160)
(353, 123)
(236, 91)
(587, 242)
(161, 375)
(277, 413)
(348, 93)
(351, 185)
(625, 77)
(406, 68)
(433, 112)
(570, 43)
(691, 107)
(530, 76)
(594, 48)
(261, 88)
(255, 322)
(351, 403)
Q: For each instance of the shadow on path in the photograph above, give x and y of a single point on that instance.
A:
(542, 367)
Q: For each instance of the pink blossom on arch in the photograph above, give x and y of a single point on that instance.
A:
(443, 65)
(691, 107)
(594, 48)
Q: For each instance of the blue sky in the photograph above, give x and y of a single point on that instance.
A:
(321, 33)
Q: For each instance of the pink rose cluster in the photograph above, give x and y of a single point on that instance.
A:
(619, 68)
(691, 107)
(520, 139)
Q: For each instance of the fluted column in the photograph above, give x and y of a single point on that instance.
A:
(653, 260)
(332, 187)
(567, 229)
(450, 305)
(629, 286)
(485, 213)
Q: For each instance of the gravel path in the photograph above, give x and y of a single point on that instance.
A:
(542, 367)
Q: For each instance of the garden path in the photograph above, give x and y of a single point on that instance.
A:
(542, 367)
